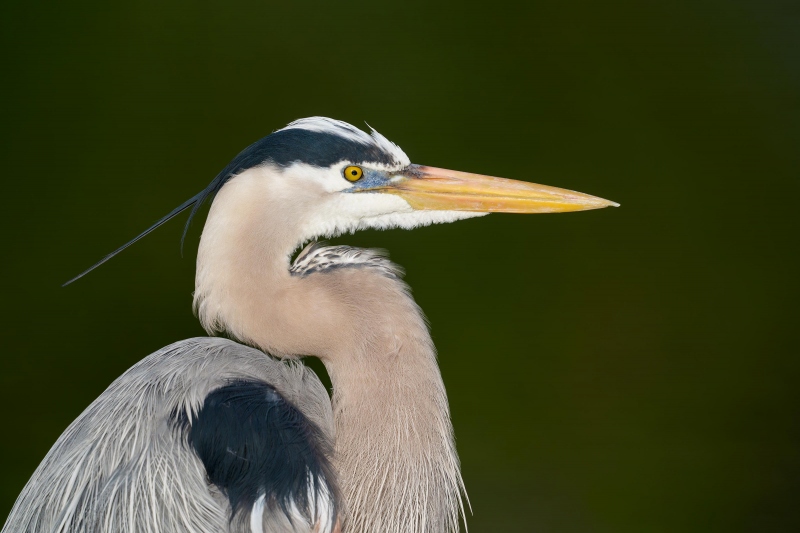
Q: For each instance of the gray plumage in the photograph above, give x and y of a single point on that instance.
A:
(123, 465)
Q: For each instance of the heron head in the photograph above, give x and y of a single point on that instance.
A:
(324, 177)
(330, 178)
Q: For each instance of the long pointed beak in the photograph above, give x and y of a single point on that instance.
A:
(433, 188)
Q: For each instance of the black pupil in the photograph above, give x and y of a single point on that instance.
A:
(354, 172)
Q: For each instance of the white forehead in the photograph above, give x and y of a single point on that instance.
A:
(351, 133)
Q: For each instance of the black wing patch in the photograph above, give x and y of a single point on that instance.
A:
(253, 442)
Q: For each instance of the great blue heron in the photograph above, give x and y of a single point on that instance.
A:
(209, 435)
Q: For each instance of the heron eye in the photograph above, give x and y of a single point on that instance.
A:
(353, 173)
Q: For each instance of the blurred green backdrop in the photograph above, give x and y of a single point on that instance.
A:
(624, 370)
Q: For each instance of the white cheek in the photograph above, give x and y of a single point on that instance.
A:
(369, 204)
(328, 179)
(348, 212)
(415, 219)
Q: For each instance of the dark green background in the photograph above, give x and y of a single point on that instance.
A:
(623, 370)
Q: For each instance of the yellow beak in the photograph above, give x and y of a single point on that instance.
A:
(433, 188)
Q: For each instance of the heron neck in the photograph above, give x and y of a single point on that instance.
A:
(395, 454)
(396, 457)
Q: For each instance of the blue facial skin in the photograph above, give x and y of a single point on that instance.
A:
(372, 179)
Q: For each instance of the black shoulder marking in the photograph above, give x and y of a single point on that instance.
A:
(253, 442)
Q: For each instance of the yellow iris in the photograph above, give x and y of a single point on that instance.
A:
(353, 173)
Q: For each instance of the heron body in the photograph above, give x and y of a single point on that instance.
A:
(211, 435)
(127, 462)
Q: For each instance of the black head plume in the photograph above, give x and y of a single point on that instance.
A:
(195, 202)
(250, 157)
(316, 141)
